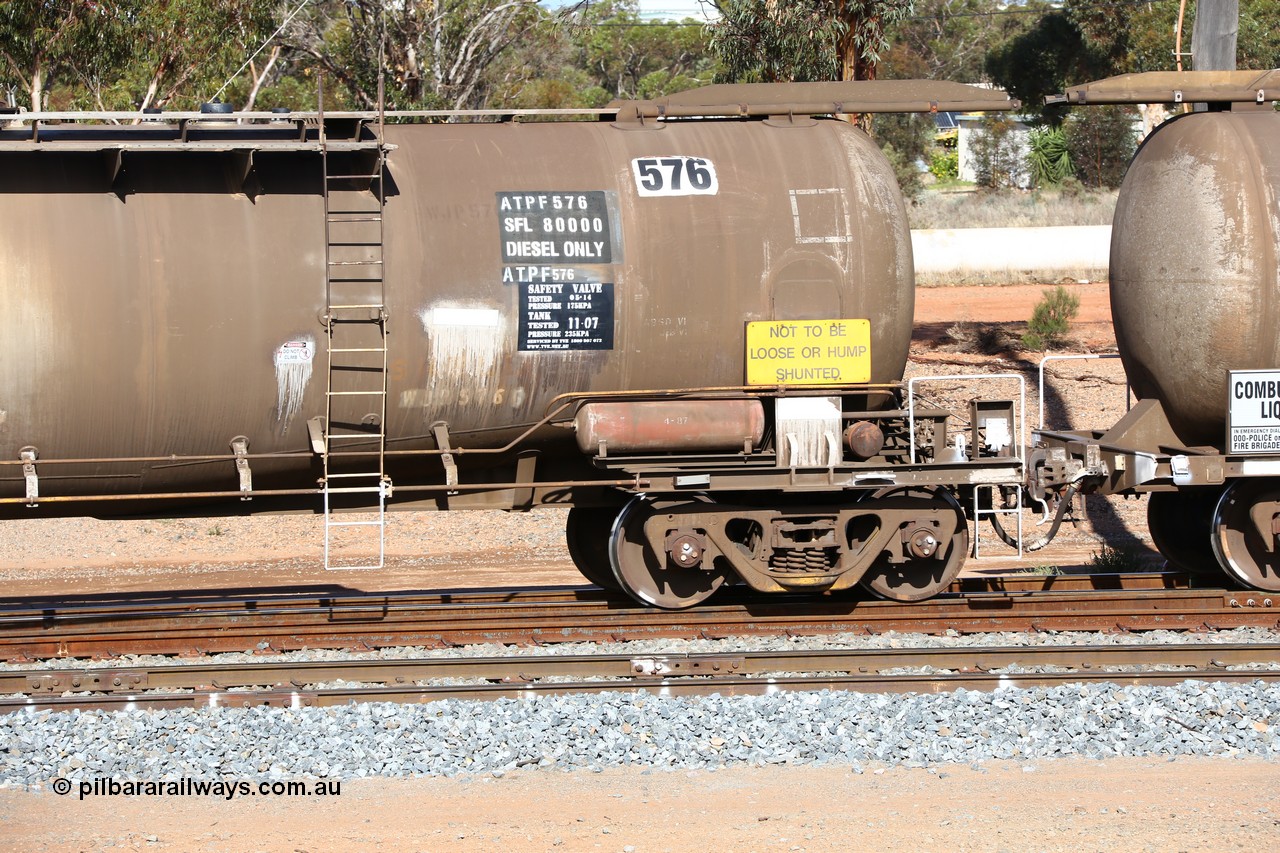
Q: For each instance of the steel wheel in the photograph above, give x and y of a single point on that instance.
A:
(1243, 522)
(587, 533)
(648, 576)
(918, 579)
(1181, 526)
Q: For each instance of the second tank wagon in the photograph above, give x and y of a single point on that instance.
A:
(1195, 284)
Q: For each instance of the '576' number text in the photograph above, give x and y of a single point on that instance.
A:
(658, 176)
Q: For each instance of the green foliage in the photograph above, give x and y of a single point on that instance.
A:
(43, 44)
(1083, 40)
(945, 40)
(1101, 143)
(904, 138)
(1049, 158)
(436, 54)
(1051, 318)
(945, 165)
(1111, 560)
(999, 161)
(759, 41)
(632, 59)
(1042, 60)
(803, 40)
(600, 53)
(1258, 44)
(904, 169)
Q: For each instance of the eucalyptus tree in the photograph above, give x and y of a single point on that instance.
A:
(776, 40)
(435, 53)
(43, 42)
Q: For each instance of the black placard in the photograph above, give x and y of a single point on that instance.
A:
(555, 227)
(566, 315)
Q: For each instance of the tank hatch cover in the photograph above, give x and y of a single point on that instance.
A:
(849, 96)
(1176, 87)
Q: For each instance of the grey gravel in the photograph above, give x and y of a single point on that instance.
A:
(638, 729)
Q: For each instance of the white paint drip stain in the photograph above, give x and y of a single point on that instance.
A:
(466, 344)
(293, 361)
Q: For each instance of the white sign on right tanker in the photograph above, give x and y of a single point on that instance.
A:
(1253, 408)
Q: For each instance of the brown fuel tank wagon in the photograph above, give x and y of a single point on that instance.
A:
(326, 311)
(1195, 291)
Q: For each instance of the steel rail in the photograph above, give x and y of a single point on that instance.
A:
(729, 685)
(527, 668)
(208, 624)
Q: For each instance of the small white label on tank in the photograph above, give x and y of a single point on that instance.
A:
(293, 360)
(296, 352)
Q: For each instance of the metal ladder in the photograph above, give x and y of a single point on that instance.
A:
(355, 321)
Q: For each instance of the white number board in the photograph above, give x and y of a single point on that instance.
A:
(1253, 411)
(667, 176)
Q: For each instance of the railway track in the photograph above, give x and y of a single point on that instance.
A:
(300, 684)
(248, 621)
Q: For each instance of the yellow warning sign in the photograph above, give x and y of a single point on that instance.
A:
(808, 352)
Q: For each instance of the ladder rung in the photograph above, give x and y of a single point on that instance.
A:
(350, 435)
(355, 393)
(353, 307)
(361, 217)
(355, 490)
(366, 475)
(352, 177)
(358, 349)
(354, 263)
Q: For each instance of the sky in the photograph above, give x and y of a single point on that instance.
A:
(659, 9)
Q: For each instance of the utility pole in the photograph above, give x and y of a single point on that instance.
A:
(1213, 35)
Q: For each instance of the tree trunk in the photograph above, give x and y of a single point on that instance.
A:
(37, 88)
(258, 79)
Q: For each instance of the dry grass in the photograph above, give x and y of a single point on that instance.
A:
(988, 278)
(1011, 209)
